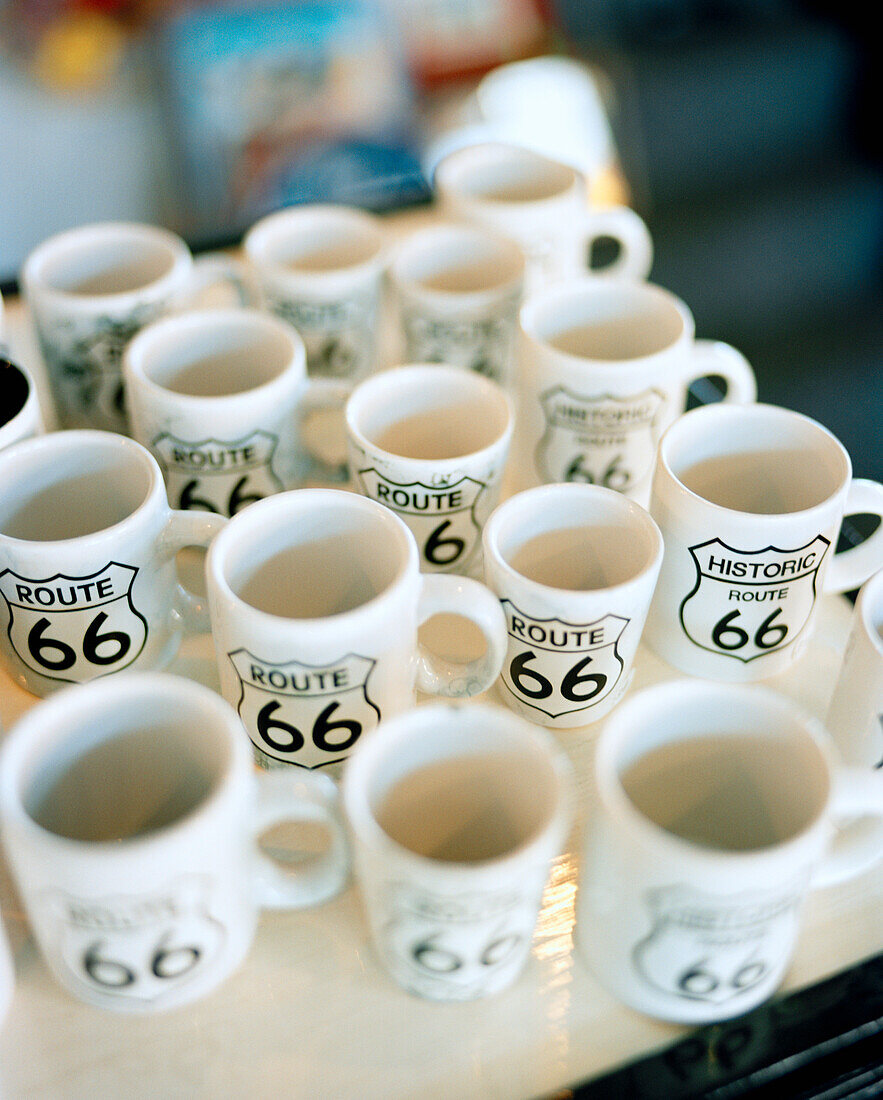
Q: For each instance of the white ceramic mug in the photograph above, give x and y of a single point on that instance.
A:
(321, 267)
(855, 713)
(20, 413)
(455, 814)
(457, 290)
(431, 443)
(603, 367)
(715, 811)
(542, 205)
(219, 397)
(315, 598)
(574, 567)
(131, 815)
(750, 500)
(87, 560)
(90, 289)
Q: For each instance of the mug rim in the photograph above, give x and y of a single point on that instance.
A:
(289, 504)
(38, 450)
(34, 277)
(449, 172)
(158, 338)
(591, 288)
(692, 421)
(256, 242)
(405, 373)
(69, 710)
(361, 768)
(730, 703)
(869, 607)
(530, 500)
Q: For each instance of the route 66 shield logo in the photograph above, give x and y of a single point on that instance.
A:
(216, 475)
(441, 517)
(557, 667)
(712, 949)
(481, 345)
(604, 440)
(143, 950)
(307, 715)
(746, 603)
(75, 628)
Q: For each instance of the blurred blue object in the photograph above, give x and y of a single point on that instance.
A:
(275, 104)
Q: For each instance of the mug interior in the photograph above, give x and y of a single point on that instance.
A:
(15, 389)
(720, 772)
(324, 558)
(214, 355)
(457, 260)
(505, 174)
(461, 789)
(429, 413)
(125, 769)
(757, 459)
(315, 241)
(574, 540)
(107, 260)
(69, 484)
(611, 321)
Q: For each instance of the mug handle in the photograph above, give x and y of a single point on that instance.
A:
(190, 529)
(851, 568)
(714, 358)
(291, 795)
(323, 395)
(219, 269)
(444, 593)
(857, 802)
(627, 228)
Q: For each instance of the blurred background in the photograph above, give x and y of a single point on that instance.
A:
(743, 131)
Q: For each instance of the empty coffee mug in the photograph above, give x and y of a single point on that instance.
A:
(87, 560)
(542, 205)
(321, 267)
(855, 713)
(749, 500)
(603, 367)
(90, 289)
(431, 443)
(457, 292)
(219, 397)
(131, 815)
(574, 567)
(315, 598)
(455, 814)
(716, 808)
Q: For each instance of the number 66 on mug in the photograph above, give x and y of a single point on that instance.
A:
(87, 560)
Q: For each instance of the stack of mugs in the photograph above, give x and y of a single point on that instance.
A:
(522, 460)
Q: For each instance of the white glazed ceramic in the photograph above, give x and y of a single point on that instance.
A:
(855, 714)
(321, 267)
(89, 290)
(737, 591)
(7, 976)
(219, 397)
(455, 931)
(571, 651)
(308, 688)
(96, 590)
(460, 416)
(694, 933)
(542, 205)
(159, 918)
(20, 414)
(603, 367)
(458, 289)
